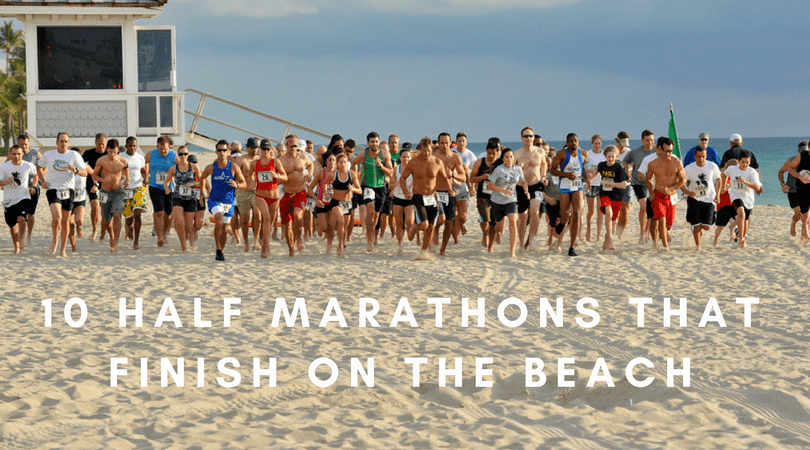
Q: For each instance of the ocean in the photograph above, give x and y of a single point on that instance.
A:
(771, 153)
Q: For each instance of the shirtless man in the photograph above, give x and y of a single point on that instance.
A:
(372, 167)
(532, 160)
(568, 164)
(58, 184)
(246, 197)
(265, 174)
(669, 176)
(226, 177)
(292, 204)
(455, 173)
(111, 171)
(426, 170)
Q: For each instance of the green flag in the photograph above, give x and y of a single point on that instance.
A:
(673, 134)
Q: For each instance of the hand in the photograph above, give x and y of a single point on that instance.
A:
(571, 176)
(165, 189)
(318, 203)
(45, 185)
(507, 192)
(785, 188)
(233, 183)
(551, 201)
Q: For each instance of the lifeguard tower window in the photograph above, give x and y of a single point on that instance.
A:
(80, 58)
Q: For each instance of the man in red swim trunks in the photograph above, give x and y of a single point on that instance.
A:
(291, 207)
(665, 175)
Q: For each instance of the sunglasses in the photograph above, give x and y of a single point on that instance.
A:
(528, 136)
(222, 150)
(182, 154)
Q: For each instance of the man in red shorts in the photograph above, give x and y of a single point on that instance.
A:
(665, 175)
(292, 204)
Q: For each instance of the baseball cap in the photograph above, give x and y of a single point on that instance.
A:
(703, 135)
(252, 142)
(266, 143)
(735, 138)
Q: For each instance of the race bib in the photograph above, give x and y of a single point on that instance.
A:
(701, 192)
(63, 194)
(265, 177)
(160, 177)
(368, 194)
(607, 188)
(576, 184)
(225, 207)
(327, 196)
(195, 192)
(185, 191)
(79, 197)
(429, 200)
(129, 194)
(538, 195)
(310, 204)
(737, 184)
(444, 198)
(486, 189)
(346, 205)
(103, 197)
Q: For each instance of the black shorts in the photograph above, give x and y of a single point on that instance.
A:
(92, 195)
(380, 193)
(594, 191)
(402, 202)
(423, 212)
(80, 204)
(523, 201)
(189, 205)
(67, 204)
(803, 200)
(699, 213)
(536, 191)
(388, 204)
(641, 191)
(32, 205)
(553, 213)
(15, 211)
(500, 211)
(738, 203)
(725, 215)
(793, 200)
(447, 210)
(160, 200)
(357, 200)
(649, 208)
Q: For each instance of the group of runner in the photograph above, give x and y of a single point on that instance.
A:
(412, 192)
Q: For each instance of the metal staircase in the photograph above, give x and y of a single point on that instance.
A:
(201, 140)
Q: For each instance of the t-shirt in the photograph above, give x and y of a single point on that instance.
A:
(593, 161)
(505, 178)
(701, 180)
(615, 173)
(635, 157)
(467, 158)
(135, 163)
(17, 191)
(33, 157)
(735, 153)
(59, 176)
(739, 190)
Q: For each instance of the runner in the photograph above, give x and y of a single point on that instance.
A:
(403, 208)
(613, 181)
(623, 146)
(374, 165)
(135, 192)
(633, 162)
(90, 157)
(14, 178)
(462, 189)
(185, 196)
(789, 187)
(344, 185)
(567, 164)
(800, 169)
(745, 182)
(594, 188)
(31, 155)
(246, 198)
(57, 168)
(481, 171)
(111, 171)
(226, 177)
(158, 163)
(292, 204)
(328, 223)
(532, 160)
(505, 177)
(267, 172)
(702, 188)
(456, 173)
(664, 176)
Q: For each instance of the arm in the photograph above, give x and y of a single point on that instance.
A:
(792, 170)
(311, 189)
(169, 179)
(41, 171)
(478, 178)
(403, 178)
(238, 179)
(781, 174)
(126, 174)
(554, 167)
(279, 174)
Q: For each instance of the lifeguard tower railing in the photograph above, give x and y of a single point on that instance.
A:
(201, 140)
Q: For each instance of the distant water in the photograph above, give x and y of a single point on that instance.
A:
(771, 153)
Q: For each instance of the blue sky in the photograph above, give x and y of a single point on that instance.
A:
(490, 67)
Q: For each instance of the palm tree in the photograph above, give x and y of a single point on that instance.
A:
(12, 84)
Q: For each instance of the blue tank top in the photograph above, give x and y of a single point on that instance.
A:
(159, 167)
(184, 183)
(221, 191)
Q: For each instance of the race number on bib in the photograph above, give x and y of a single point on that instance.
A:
(346, 205)
(607, 188)
(701, 192)
(310, 204)
(444, 198)
(368, 194)
(538, 195)
(327, 196)
(63, 194)
(576, 184)
(185, 191)
(225, 207)
(265, 177)
(160, 177)
(805, 173)
(487, 190)
(429, 200)
(739, 185)
(129, 194)
(103, 197)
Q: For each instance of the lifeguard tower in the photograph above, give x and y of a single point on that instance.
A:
(91, 70)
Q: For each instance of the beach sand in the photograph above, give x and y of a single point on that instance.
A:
(749, 386)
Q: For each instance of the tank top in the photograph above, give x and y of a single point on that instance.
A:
(221, 191)
(184, 183)
(804, 169)
(372, 175)
(408, 183)
(159, 167)
(325, 189)
(264, 179)
(342, 185)
(482, 169)
(572, 165)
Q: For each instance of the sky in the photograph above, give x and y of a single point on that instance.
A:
(491, 67)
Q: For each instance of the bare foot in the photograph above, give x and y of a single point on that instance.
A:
(135, 247)
(247, 247)
(161, 243)
(52, 249)
(424, 256)
(63, 253)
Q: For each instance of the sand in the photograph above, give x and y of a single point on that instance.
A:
(749, 386)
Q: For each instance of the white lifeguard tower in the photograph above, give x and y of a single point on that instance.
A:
(91, 70)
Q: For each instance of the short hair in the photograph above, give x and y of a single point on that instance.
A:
(425, 142)
(14, 147)
(131, 139)
(571, 135)
(113, 143)
(309, 142)
(339, 156)
(181, 148)
(350, 144)
(804, 143)
(595, 137)
(664, 140)
(526, 128)
(745, 154)
(168, 140)
(610, 148)
(460, 135)
(22, 137)
(700, 149)
(444, 133)
(291, 136)
(59, 134)
(373, 134)
(393, 136)
(101, 136)
(646, 133)
(622, 135)
(223, 142)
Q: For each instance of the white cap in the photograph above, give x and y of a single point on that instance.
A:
(735, 138)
